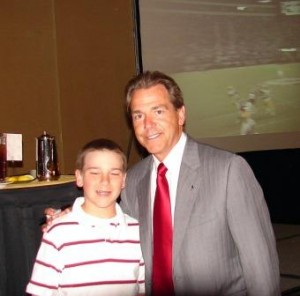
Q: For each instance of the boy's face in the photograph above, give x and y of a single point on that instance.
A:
(102, 179)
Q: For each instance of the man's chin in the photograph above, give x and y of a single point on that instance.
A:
(156, 152)
(151, 147)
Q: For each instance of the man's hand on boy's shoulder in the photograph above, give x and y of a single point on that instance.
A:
(51, 214)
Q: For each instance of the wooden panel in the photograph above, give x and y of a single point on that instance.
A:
(28, 78)
(95, 59)
(64, 65)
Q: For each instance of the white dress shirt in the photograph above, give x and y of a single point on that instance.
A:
(172, 162)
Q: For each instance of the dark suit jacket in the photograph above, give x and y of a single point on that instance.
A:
(223, 238)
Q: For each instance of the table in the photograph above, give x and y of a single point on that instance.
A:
(21, 215)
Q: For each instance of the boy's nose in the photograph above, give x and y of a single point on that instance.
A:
(104, 178)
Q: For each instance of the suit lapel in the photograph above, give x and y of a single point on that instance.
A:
(144, 203)
(187, 192)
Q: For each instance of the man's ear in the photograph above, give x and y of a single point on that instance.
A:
(78, 176)
(181, 116)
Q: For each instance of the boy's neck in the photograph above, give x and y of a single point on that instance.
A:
(101, 213)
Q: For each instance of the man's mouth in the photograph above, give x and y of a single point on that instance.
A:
(153, 136)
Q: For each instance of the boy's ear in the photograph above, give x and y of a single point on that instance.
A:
(124, 181)
(78, 176)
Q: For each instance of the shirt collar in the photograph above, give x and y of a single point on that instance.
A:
(173, 159)
(93, 221)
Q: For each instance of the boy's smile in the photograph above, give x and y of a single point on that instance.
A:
(102, 179)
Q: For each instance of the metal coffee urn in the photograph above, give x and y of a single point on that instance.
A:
(46, 158)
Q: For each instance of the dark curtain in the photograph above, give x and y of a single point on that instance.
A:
(21, 217)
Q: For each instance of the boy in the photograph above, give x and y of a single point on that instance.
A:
(95, 249)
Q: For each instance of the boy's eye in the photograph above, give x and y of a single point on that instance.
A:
(116, 173)
(94, 172)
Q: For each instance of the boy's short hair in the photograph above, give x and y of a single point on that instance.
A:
(99, 145)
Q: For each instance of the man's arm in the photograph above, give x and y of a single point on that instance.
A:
(51, 214)
(251, 228)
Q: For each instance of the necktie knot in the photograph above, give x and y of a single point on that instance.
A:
(162, 169)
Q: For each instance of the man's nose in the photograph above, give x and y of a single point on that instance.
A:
(148, 121)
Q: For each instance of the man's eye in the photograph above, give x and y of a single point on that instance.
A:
(136, 116)
(159, 111)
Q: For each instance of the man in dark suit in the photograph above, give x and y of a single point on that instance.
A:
(223, 241)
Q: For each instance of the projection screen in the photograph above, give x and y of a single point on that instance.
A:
(237, 63)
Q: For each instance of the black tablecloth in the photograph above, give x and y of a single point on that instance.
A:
(21, 214)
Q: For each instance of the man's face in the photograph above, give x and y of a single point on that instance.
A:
(156, 122)
(102, 178)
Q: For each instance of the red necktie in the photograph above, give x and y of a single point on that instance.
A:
(162, 281)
